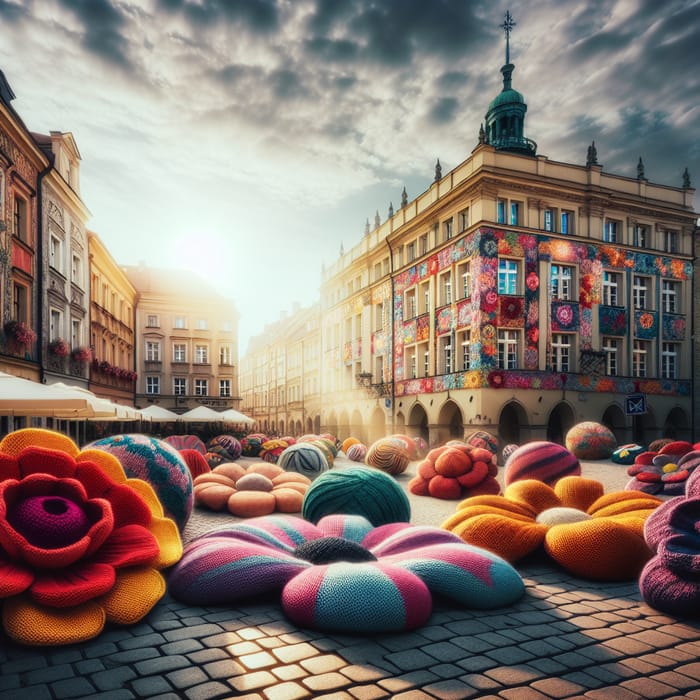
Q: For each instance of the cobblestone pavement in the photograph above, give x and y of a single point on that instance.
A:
(566, 638)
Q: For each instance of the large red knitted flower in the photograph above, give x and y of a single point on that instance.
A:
(80, 544)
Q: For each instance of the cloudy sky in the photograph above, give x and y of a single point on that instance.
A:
(248, 139)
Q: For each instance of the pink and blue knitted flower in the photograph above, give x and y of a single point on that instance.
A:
(343, 574)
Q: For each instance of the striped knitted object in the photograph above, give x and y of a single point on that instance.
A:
(590, 440)
(357, 491)
(186, 442)
(347, 443)
(304, 458)
(391, 455)
(251, 444)
(343, 575)
(228, 447)
(545, 461)
(196, 462)
(157, 463)
(356, 452)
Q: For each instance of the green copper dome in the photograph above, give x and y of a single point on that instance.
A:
(506, 97)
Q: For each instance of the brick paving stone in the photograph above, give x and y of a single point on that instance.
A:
(639, 666)
(538, 631)
(187, 677)
(142, 642)
(601, 633)
(596, 652)
(252, 681)
(9, 680)
(122, 694)
(452, 689)
(411, 659)
(362, 673)
(112, 678)
(466, 627)
(436, 633)
(400, 642)
(547, 667)
(514, 675)
(51, 674)
(524, 693)
(184, 646)
(88, 666)
(262, 659)
(480, 682)
(208, 691)
(692, 670)
(647, 688)
(368, 692)
(655, 638)
(444, 651)
(676, 654)
(207, 655)
(323, 663)
(250, 633)
(572, 659)
(447, 671)
(407, 681)
(286, 691)
(583, 678)
(152, 685)
(326, 681)
(510, 655)
(557, 687)
(295, 652)
(627, 645)
(675, 680)
(225, 668)
(269, 642)
(220, 639)
(473, 645)
(659, 660)
(616, 693)
(73, 688)
(243, 648)
(35, 692)
(131, 656)
(161, 664)
(477, 663)
(605, 675)
(413, 695)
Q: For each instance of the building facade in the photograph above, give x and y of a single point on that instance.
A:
(187, 352)
(110, 353)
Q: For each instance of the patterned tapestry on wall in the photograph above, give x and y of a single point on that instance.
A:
(612, 320)
(646, 324)
(673, 328)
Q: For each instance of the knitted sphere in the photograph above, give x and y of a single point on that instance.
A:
(541, 460)
(348, 442)
(330, 444)
(410, 443)
(508, 450)
(357, 491)
(625, 454)
(480, 438)
(421, 447)
(325, 448)
(196, 462)
(656, 445)
(228, 446)
(590, 440)
(252, 444)
(159, 464)
(186, 442)
(271, 450)
(388, 454)
(357, 452)
(304, 458)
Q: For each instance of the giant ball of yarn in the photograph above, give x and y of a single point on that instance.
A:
(186, 442)
(480, 438)
(252, 444)
(541, 460)
(347, 443)
(304, 458)
(272, 449)
(356, 452)
(391, 455)
(591, 440)
(227, 446)
(159, 464)
(357, 491)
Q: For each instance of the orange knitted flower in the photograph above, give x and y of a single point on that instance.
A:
(591, 534)
(80, 544)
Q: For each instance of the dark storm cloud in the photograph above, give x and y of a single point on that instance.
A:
(260, 16)
(443, 111)
(334, 50)
(12, 12)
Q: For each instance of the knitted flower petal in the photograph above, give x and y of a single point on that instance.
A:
(130, 545)
(75, 585)
(106, 461)
(357, 597)
(405, 541)
(14, 578)
(9, 467)
(619, 502)
(167, 534)
(39, 460)
(15, 442)
(533, 495)
(29, 623)
(577, 492)
(349, 527)
(133, 595)
(469, 575)
(599, 549)
(146, 491)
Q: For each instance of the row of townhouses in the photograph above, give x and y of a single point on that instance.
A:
(516, 295)
(69, 313)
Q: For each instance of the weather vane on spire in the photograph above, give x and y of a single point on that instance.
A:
(507, 27)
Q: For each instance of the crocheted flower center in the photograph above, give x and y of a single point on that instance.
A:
(49, 522)
(561, 516)
(327, 550)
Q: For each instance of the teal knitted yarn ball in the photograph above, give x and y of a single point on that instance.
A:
(357, 491)
(590, 440)
(304, 458)
(159, 464)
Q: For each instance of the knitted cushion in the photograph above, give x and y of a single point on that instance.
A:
(508, 450)
(545, 461)
(270, 450)
(342, 575)
(480, 438)
(389, 454)
(325, 447)
(626, 454)
(348, 442)
(252, 444)
(304, 458)
(160, 465)
(227, 446)
(656, 445)
(590, 440)
(186, 442)
(357, 452)
(196, 462)
(357, 491)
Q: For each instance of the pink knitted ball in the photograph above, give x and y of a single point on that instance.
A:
(544, 461)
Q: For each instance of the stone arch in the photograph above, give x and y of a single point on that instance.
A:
(400, 422)
(561, 420)
(644, 427)
(418, 422)
(332, 424)
(343, 426)
(513, 417)
(316, 427)
(281, 428)
(450, 423)
(677, 425)
(357, 427)
(377, 425)
(614, 419)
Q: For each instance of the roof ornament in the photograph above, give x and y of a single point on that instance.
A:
(592, 157)
(342, 249)
(686, 179)
(640, 169)
(367, 228)
(507, 27)
(482, 134)
(438, 171)
(404, 198)
(391, 209)
(377, 220)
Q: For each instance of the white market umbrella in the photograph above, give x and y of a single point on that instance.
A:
(159, 414)
(231, 415)
(23, 397)
(98, 407)
(202, 414)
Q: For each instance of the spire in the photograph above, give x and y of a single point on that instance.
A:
(367, 228)
(592, 157)
(640, 169)
(391, 209)
(404, 198)
(507, 27)
(342, 249)
(686, 179)
(438, 171)
(377, 220)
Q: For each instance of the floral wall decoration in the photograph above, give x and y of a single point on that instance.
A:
(443, 320)
(409, 332)
(673, 327)
(464, 313)
(565, 316)
(646, 324)
(423, 328)
(511, 312)
(398, 336)
(379, 343)
(612, 320)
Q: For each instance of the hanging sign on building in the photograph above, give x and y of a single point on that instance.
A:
(635, 404)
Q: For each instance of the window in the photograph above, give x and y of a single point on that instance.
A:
(377, 272)
(515, 219)
(447, 229)
(669, 360)
(671, 241)
(610, 231)
(225, 388)
(444, 354)
(411, 305)
(507, 349)
(669, 297)
(423, 244)
(426, 362)
(424, 298)
(202, 324)
(562, 276)
(412, 363)
(561, 352)
(464, 276)
(465, 345)
(640, 355)
(180, 322)
(567, 222)
(501, 211)
(225, 355)
(76, 335)
(153, 385)
(76, 270)
(410, 252)
(611, 346)
(55, 324)
(508, 276)
(201, 354)
(463, 219)
(20, 309)
(446, 288)
(611, 282)
(151, 320)
(20, 219)
(549, 218)
(379, 316)
(152, 351)
(640, 236)
(640, 291)
(180, 386)
(179, 352)
(56, 253)
(201, 387)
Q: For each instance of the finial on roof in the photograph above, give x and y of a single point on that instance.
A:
(640, 169)
(686, 179)
(438, 170)
(507, 27)
(482, 134)
(367, 228)
(342, 249)
(592, 158)
(391, 209)
(404, 198)
(377, 220)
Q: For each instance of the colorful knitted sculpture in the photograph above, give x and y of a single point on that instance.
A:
(304, 458)
(664, 472)
(590, 440)
(410, 443)
(456, 472)
(347, 443)
(343, 575)
(671, 579)
(196, 462)
(160, 465)
(80, 544)
(260, 489)
(480, 438)
(251, 444)
(357, 452)
(391, 455)
(271, 450)
(186, 442)
(626, 454)
(228, 447)
(545, 461)
(357, 491)
(326, 448)
(589, 533)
